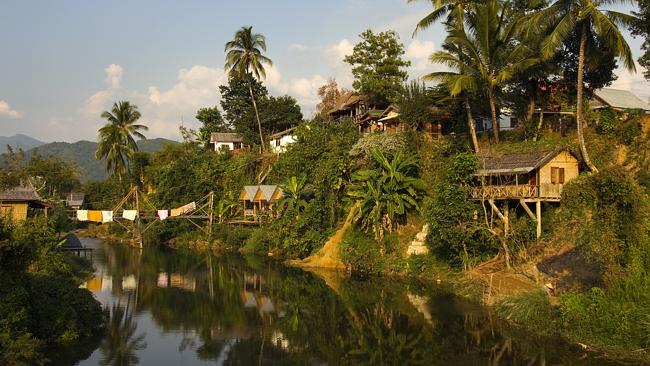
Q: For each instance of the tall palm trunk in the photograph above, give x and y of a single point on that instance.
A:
(579, 116)
(493, 112)
(257, 115)
(470, 123)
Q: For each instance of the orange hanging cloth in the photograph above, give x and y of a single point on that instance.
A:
(94, 216)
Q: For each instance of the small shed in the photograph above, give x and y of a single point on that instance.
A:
(75, 200)
(228, 140)
(17, 203)
(530, 175)
(282, 139)
(259, 199)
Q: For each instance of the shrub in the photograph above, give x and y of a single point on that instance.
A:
(361, 253)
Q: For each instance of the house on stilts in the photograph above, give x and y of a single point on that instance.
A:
(259, 200)
(523, 178)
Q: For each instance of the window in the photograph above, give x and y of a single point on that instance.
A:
(557, 175)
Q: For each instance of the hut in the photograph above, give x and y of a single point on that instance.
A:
(74, 200)
(19, 202)
(618, 100)
(259, 199)
(527, 177)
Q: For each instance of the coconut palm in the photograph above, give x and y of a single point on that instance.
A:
(116, 142)
(590, 21)
(484, 54)
(244, 58)
(386, 194)
(454, 10)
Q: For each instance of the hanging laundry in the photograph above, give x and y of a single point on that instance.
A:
(130, 214)
(183, 209)
(107, 216)
(94, 216)
(82, 215)
(163, 214)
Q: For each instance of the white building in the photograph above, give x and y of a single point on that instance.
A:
(280, 140)
(227, 140)
(618, 100)
(506, 122)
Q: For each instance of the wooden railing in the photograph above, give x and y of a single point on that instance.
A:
(547, 191)
(503, 192)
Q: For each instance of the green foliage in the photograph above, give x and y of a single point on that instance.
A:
(293, 195)
(361, 253)
(415, 105)
(237, 105)
(456, 234)
(530, 310)
(610, 212)
(212, 121)
(614, 318)
(377, 65)
(387, 193)
(389, 144)
(279, 113)
(42, 304)
(53, 177)
(607, 121)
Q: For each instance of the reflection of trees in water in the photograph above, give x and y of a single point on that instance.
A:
(121, 342)
(370, 321)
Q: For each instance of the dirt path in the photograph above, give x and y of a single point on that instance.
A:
(328, 256)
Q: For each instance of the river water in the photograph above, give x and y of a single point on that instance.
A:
(177, 308)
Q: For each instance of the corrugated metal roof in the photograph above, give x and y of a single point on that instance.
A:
(282, 133)
(25, 192)
(267, 191)
(225, 137)
(621, 99)
(517, 163)
(251, 191)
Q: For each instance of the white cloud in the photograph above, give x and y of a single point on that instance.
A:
(7, 111)
(418, 53)
(114, 75)
(338, 51)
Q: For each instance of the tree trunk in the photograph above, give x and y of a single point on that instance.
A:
(257, 115)
(538, 130)
(470, 123)
(493, 112)
(579, 114)
(531, 107)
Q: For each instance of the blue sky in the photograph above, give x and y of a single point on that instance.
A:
(63, 62)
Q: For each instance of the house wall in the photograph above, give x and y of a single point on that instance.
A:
(280, 145)
(218, 145)
(562, 160)
(17, 211)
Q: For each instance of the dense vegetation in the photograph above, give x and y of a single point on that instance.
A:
(42, 305)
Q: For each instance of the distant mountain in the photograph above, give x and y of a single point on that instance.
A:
(82, 155)
(19, 142)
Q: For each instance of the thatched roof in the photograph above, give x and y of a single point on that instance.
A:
(71, 241)
(516, 163)
(22, 193)
(225, 137)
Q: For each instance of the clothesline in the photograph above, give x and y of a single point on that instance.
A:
(107, 215)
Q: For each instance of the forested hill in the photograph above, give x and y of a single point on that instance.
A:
(19, 142)
(82, 155)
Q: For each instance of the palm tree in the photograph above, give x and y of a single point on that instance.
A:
(386, 194)
(244, 58)
(484, 53)
(116, 142)
(225, 206)
(292, 195)
(584, 16)
(453, 9)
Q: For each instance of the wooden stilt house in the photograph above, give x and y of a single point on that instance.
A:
(532, 177)
(20, 202)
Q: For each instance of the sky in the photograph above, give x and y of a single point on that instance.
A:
(64, 62)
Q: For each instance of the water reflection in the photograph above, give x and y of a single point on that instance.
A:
(171, 307)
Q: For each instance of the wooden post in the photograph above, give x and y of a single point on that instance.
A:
(538, 209)
(210, 206)
(506, 220)
(138, 221)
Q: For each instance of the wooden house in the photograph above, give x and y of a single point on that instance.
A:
(74, 200)
(20, 202)
(259, 200)
(531, 177)
(228, 141)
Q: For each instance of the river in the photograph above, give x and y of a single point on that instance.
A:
(183, 308)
